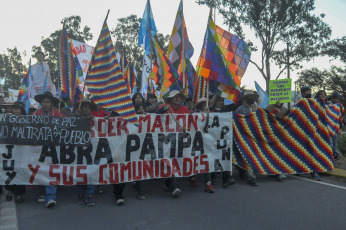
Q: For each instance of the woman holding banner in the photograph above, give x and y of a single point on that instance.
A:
(17, 191)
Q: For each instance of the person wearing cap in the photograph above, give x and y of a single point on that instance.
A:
(85, 192)
(41, 74)
(17, 191)
(335, 99)
(248, 99)
(48, 102)
(306, 92)
(173, 104)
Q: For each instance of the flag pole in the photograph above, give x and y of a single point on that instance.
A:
(82, 96)
(207, 82)
(183, 50)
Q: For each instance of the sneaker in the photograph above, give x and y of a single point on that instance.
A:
(42, 198)
(80, 199)
(9, 196)
(89, 201)
(209, 188)
(51, 203)
(315, 176)
(228, 182)
(18, 199)
(176, 192)
(141, 197)
(120, 201)
(252, 182)
(280, 177)
(193, 181)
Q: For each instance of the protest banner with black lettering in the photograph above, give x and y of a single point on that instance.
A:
(44, 130)
(121, 152)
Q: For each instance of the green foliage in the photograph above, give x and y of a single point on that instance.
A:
(275, 23)
(336, 49)
(125, 36)
(50, 44)
(342, 143)
(12, 70)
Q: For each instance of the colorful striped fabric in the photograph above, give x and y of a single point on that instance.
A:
(335, 121)
(297, 143)
(130, 76)
(175, 53)
(201, 88)
(66, 67)
(167, 73)
(24, 90)
(105, 80)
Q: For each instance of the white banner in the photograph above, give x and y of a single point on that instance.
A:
(146, 70)
(13, 94)
(120, 152)
(84, 53)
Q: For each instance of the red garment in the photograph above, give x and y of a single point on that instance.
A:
(100, 113)
(181, 109)
(53, 113)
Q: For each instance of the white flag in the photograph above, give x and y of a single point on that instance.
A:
(146, 70)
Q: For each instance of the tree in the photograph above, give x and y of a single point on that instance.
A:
(314, 78)
(125, 36)
(50, 45)
(276, 23)
(11, 68)
(336, 49)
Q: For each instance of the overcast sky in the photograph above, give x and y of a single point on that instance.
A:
(24, 22)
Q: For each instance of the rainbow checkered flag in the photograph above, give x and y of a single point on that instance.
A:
(165, 71)
(224, 59)
(177, 52)
(24, 90)
(105, 79)
(66, 67)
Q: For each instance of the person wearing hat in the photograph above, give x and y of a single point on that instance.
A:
(248, 99)
(173, 104)
(8, 107)
(48, 102)
(41, 74)
(17, 191)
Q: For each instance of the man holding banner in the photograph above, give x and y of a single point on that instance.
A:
(47, 102)
(173, 105)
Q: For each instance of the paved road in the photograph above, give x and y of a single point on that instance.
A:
(293, 204)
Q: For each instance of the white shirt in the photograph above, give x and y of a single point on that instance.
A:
(39, 72)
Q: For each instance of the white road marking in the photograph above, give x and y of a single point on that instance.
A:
(8, 215)
(318, 182)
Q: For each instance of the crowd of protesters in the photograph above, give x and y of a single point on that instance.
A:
(175, 102)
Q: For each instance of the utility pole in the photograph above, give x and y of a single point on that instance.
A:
(288, 68)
